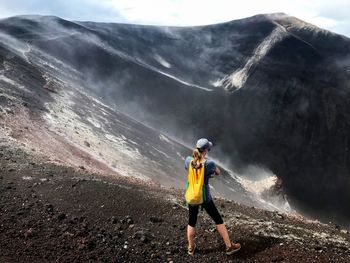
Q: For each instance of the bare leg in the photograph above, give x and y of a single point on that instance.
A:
(224, 234)
(190, 235)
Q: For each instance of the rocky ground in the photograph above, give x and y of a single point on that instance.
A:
(51, 213)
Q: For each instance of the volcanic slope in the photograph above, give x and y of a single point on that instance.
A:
(275, 90)
(68, 169)
(46, 109)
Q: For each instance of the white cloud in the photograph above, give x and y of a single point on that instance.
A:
(323, 22)
(200, 12)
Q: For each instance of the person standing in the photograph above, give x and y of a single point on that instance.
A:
(193, 164)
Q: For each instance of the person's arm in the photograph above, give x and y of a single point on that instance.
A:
(217, 170)
(213, 169)
(187, 162)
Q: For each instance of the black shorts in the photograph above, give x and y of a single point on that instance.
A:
(211, 210)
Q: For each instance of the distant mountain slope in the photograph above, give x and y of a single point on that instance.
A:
(270, 90)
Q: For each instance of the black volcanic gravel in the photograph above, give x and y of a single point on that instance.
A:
(51, 213)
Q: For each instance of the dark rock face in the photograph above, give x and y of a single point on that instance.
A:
(269, 90)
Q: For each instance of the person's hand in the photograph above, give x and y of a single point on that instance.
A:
(217, 171)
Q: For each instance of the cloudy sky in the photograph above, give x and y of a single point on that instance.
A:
(329, 14)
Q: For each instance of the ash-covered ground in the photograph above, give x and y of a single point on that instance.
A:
(52, 213)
